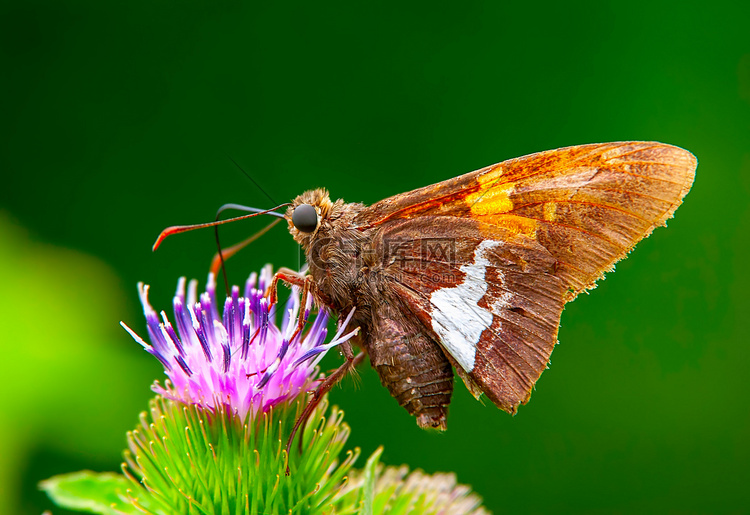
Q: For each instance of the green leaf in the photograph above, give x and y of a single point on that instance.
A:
(369, 481)
(93, 492)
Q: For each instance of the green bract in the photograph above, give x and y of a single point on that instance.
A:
(184, 459)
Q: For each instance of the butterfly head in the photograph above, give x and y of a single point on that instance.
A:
(307, 213)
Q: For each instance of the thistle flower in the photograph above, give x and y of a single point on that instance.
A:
(238, 358)
(214, 439)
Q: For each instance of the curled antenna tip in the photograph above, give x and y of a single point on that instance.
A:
(162, 236)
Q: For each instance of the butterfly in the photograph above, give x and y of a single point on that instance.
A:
(471, 274)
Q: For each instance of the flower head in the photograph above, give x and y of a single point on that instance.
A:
(213, 439)
(237, 357)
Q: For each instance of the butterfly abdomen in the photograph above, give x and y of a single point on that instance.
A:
(413, 368)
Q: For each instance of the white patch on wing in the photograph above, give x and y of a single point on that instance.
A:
(457, 317)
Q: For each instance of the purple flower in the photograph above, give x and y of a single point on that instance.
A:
(238, 359)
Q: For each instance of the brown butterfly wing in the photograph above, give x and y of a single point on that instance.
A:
(529, 234)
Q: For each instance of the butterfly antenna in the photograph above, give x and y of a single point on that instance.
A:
(177, 229)
(251, 179)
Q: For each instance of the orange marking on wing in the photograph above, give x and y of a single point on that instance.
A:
(491, 200)
(550, 211)
(513, 223)
(490, 177)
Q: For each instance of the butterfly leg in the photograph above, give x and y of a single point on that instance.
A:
(288, 276)
(297, 279)
(304, 313)
(351, 362)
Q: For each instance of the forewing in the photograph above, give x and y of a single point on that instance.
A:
(588, 205)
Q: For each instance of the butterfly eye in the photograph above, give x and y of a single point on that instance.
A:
(305, 218)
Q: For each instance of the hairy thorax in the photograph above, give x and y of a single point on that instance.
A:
(336, 257)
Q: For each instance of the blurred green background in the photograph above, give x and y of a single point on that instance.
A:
(118, 121)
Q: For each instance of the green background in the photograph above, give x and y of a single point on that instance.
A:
(118, 120)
